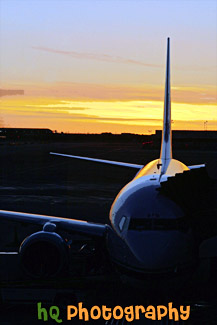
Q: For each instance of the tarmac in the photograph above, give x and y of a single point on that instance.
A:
(33, 181)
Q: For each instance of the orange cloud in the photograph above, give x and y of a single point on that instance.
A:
(138, 116)
(206, 95)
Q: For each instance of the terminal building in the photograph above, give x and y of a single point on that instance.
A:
(183, 139)
(24, 133)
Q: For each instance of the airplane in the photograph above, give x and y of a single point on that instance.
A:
(149, 232)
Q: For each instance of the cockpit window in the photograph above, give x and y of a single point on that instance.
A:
(121, 223)
(180, 224)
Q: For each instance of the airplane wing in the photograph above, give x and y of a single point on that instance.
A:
(117, 163)
(48, 253)
(196, 166)
(69, 225)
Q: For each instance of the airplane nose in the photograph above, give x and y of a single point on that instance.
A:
(159, 250)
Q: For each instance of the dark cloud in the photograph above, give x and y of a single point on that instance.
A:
(11, 92)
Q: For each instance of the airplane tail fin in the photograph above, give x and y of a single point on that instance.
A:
(166, 142)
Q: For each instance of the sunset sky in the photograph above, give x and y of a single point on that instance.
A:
(92, 66)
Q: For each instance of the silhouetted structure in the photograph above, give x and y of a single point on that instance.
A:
(181, 139)
(24, 133)
(190, 139)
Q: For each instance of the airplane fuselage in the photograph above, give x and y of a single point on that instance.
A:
(152, 232)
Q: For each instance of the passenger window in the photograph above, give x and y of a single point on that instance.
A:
(121, 223)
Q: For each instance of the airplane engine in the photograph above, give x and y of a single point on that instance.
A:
(44, 254)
